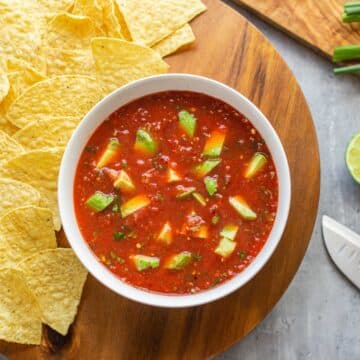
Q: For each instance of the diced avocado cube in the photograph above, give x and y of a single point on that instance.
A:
(205, 167)
(211, 185)
(110, 153)
(165, 235)
(256, 164)
(179, 261)
(200, 199)
(172, 176)
(226, 247)
(229, 231)
(99, 201)
(124, 182)
(133, 205)
(243, 209)
(143, 262)
(214, 144)
(145, 143)
(186, 193)
(187, 122)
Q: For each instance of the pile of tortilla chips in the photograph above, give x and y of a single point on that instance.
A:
(58, 58)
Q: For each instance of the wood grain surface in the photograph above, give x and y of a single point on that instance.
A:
(315, 23)
(231, 50)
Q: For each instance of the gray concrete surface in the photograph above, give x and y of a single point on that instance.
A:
(318, 318)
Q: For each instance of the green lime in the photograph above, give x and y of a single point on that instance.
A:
(353, 157)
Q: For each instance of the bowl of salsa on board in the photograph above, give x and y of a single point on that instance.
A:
(174, 190)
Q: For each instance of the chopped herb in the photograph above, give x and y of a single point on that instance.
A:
(118, 235)
(90, 149)
(242, 255)
(124, 164)
(211, 185)
(216, 281)
(115, 208)
(196, 257)
(215, 219)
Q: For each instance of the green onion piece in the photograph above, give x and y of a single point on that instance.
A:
(186, 193)
(118, 235)
(115, 208)
(242, 255)
(211, 185)
(196, 257)
(348, 52)
(187, 122)
(99, 201)
(347, 69)
(352, 10)
(215, 219)
(201, 200)
(351, 18)
(352, 4)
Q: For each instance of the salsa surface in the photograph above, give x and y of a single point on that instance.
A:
(153, 215)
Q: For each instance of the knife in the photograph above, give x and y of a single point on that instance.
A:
(343, 246)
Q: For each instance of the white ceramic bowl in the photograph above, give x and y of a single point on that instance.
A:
(113, 102)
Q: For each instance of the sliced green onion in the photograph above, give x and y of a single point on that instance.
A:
(351, 18)
(347, 69)
(201, 200)
(347, 52)
(119, 235)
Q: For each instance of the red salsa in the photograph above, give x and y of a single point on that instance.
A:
(176, 192)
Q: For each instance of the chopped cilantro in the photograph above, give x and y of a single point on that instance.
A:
(196, 257)
(118, 235)
(242, 255)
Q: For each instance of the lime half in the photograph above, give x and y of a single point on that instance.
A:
(353, 157)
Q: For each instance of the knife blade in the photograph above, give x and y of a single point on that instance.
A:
(343, 246)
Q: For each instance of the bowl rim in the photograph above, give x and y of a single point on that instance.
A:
(122, 96)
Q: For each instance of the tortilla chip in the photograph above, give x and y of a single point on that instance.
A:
(111, 24)
(56, 277)
(24, 232)
(47, 133)
(118, 62)
(21, 76)
(15, 193)
(91, 9)
(178, 39)
(20, 316)
(71, 32)
(21, 27)
(39, 168)
(68, 62)
(57, 96)
(121, 20)
(4, 81)
(151, 21)
(9, 147)
(54, 6)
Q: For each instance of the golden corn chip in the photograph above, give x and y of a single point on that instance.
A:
(181, 37)
(21, 76)
(91, 9)
(9, 147)
(151, 21)
(4, 81)
(71, 32)
(60, 96)
(21, 25)
(39, 168)
(14, 193)
(118, 62)
(56, 277)
(47, 133)
(24, 231)
(111, 23)
(20, 316)
(68, 62)
(54, 6)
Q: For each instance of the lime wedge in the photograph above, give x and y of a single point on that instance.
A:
(353, 157)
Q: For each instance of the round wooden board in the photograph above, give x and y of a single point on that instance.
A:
(231, 50)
